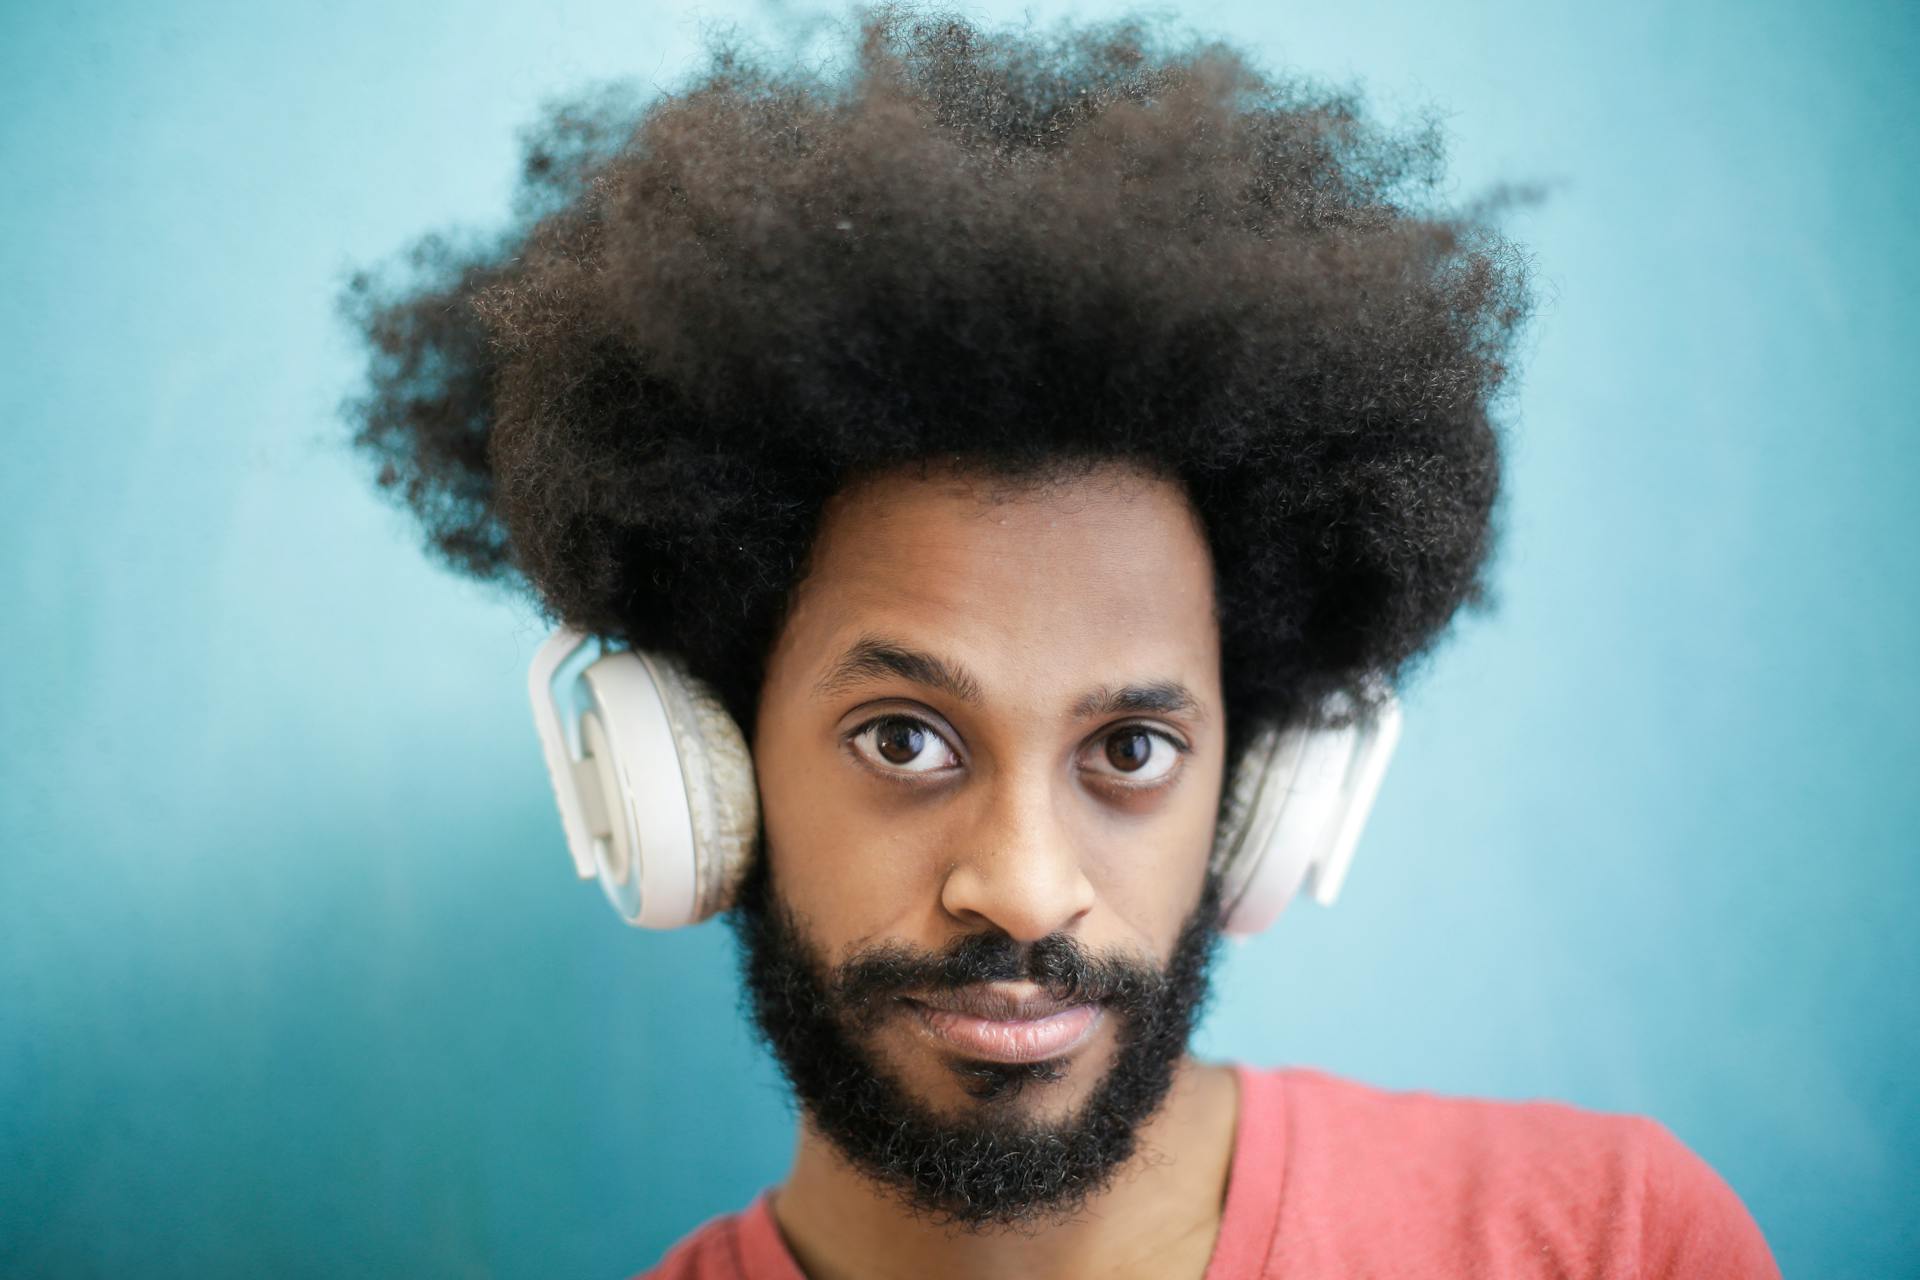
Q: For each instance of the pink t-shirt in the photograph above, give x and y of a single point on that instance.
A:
(1332, 1178)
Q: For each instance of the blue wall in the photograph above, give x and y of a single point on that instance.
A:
(294, 978)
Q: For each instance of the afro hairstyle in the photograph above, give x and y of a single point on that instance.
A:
(1016, 251)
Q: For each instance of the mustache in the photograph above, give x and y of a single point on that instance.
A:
(866, 983)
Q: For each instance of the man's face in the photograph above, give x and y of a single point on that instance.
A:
(989, 750)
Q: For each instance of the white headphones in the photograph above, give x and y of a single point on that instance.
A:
(657, 794)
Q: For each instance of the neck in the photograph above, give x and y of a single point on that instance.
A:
(1159, 1217)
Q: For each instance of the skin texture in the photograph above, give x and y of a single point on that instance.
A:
(1042, 594)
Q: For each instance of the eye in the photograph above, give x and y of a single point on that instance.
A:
(902, 744)
(1135, 753)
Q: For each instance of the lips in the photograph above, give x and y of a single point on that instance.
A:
(1004, 1022)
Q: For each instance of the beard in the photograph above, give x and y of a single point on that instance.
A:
(986, 1167)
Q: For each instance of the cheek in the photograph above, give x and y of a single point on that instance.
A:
(851, 868)
(1148, 886)
(1149, 868)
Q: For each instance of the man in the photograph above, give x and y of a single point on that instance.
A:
(1006, 428)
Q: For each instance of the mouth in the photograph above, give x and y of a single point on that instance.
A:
(1012, 1022)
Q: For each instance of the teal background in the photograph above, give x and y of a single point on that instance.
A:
(294, 976)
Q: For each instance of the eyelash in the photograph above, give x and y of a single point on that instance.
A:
(891, 717)
(906, 776)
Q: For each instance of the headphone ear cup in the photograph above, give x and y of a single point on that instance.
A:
(1296, 805)
(717, 771)
(1259, 869)
(652, 776)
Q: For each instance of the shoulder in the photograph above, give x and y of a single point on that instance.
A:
(1493, 1138)
(737, 1246)
(1693, 1223)
(710, 1252)
(1477, 1180)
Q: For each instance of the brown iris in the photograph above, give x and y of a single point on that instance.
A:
(899, 741)
(1128, 749)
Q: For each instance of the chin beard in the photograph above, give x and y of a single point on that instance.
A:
(986, 1167)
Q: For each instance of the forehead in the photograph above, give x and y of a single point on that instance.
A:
(1040, 589)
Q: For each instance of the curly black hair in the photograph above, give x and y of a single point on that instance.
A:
(1009, 249)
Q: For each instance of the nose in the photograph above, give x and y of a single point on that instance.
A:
(1019, 868)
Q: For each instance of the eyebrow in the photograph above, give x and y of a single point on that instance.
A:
(876, 657)
(1165, 697)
